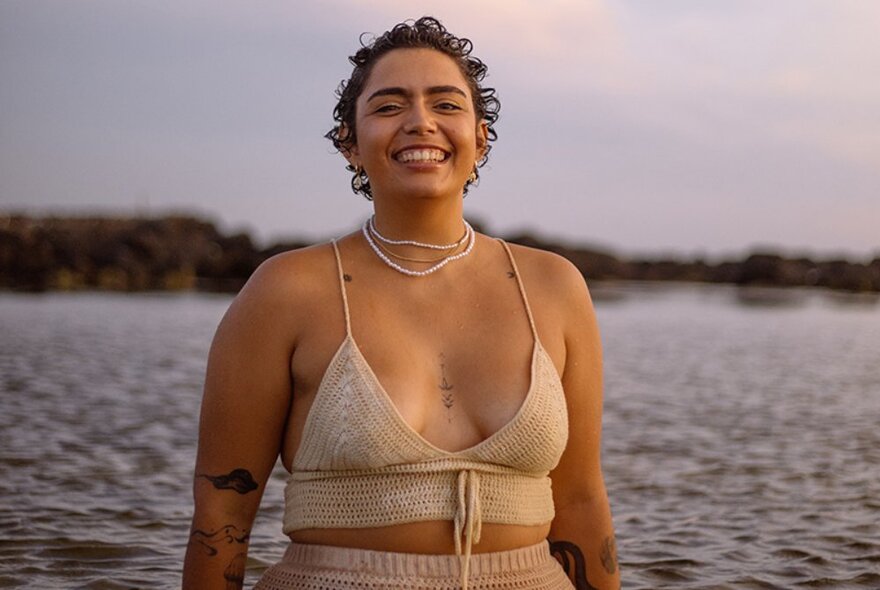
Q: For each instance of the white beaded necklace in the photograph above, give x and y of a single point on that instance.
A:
(469, 234)
(381, 238)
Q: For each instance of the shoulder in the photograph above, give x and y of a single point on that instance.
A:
(549, 272)
(283, 292)
(295, 273)
(558, 289)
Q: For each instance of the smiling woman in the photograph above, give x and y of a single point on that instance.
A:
(426, 33)
(438, 424)
(416, 138)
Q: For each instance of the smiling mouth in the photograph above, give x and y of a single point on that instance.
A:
(421, 155)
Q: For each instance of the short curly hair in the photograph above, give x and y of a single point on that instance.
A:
(424, 33)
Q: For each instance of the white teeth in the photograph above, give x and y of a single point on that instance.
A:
(421, 156)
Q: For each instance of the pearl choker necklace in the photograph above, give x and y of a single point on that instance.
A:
(469, 235)
(375, 232)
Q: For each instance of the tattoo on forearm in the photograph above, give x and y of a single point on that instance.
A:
(228, 535)
(573, 562)
(239, 480)
(445, 386)
(608, 555)
(234, 572)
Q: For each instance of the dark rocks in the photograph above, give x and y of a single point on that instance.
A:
(179, 253)
(169, 253)
(592, 263)
(758, 269)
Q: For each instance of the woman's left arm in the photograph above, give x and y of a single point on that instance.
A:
(582, 534)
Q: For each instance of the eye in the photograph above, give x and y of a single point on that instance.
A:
(448, 106)
(388, 108)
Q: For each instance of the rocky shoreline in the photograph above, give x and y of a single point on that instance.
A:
(188, 253)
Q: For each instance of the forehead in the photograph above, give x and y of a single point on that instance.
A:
(414, 69)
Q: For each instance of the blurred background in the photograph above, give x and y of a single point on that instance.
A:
(681, 126)
(712, 167)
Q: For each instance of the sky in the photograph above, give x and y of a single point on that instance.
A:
(681, 127)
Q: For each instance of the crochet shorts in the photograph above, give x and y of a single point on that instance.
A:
(320, 567)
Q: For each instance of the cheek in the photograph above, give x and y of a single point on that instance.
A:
(467, 142)
(373, 137)
(367, 147)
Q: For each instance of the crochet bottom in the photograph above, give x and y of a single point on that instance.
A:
(320, 567)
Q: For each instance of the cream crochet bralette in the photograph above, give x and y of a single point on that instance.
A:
(359, 464)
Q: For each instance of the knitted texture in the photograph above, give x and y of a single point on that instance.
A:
(359, 464)
(316, 567)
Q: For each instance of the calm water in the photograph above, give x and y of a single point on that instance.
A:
(741, 440)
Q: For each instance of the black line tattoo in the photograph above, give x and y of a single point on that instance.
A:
(445, 386)
(608, 555)
(562, 550)
(234, 572)
(239, 480)
(227, 535)
(346, 278)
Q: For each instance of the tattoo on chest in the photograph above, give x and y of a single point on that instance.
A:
(239, 480)
(445, 387)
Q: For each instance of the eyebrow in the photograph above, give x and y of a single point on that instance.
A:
(398, 91)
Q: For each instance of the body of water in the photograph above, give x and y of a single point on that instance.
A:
(741, 441)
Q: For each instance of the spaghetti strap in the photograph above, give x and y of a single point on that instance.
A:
(522, 289)
(342, 288)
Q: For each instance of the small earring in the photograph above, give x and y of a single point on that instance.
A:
(357, 182)
(473, 176)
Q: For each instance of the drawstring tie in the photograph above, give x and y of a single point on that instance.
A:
(468, 519)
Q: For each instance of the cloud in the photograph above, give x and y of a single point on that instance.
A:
(625, 121)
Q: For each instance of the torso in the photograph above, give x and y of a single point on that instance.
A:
(452, 351)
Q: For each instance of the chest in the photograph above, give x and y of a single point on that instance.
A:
(454, 369)
(353, 424)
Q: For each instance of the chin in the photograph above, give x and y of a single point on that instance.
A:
(423, 191)
(439, 195)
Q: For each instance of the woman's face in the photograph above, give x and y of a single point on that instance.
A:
(417, 133)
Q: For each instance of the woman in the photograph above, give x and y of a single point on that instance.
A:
(424, 384)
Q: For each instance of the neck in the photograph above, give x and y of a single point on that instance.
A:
(433, 223)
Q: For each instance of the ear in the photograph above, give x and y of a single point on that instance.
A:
(350, 153)
(352, 156)
(482, 139)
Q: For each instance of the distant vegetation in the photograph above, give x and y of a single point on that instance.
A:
(181, 253)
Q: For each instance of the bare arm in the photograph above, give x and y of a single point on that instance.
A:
(244, 410)
(582, 534)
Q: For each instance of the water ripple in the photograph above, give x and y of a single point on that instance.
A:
(741, 448)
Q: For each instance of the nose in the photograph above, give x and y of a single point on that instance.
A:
(419, 120)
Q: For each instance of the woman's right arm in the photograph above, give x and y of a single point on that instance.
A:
(244, 410)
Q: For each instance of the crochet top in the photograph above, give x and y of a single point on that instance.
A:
(359, 464)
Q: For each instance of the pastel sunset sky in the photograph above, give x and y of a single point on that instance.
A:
(644, 126)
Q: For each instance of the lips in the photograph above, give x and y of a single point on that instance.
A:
(421, 154)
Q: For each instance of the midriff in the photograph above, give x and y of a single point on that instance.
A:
(431, 537)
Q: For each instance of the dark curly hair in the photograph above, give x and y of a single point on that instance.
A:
(425, 33)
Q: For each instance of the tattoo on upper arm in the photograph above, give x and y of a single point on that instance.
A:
(234, 572)
(239, 480)
(573, 562)
(227, 535)
(608, 555)
(445, 386)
